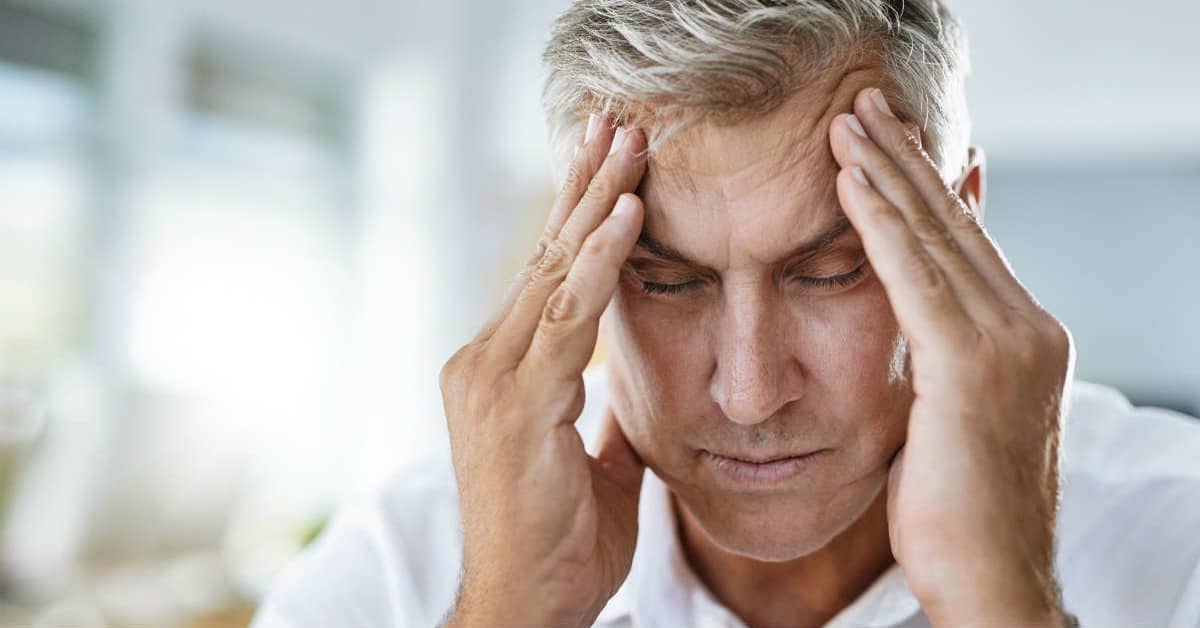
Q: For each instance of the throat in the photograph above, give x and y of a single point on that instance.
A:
(805, 592)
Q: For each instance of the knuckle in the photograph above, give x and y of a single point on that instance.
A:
(577, 175)
(543, 244)
(545, 241)
(446, 377)
(1058, 336)
(451, 367)
(562, 306)
(578, 399)
(599, 189)
(555, 262)
(908, 147)
(463, 359)
(913, 134)
(451, 379)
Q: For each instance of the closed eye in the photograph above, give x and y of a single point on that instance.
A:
(835, 281)
(669, 288)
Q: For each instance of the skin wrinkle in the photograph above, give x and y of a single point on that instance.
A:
(752, 364)
(666, 257)
(671, 172)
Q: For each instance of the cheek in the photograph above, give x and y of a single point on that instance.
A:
(855, 343)
(665, 343)
(659, 367)
(853, 340)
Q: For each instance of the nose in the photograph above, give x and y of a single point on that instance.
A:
(757, 373)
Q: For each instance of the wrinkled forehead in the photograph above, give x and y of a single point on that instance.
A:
(767, 180)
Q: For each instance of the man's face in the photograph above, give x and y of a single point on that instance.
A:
(748, 325)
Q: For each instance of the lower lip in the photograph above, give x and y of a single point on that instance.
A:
(760, 473)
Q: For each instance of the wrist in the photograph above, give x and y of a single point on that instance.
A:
(1011, 603)
(1056, 618)
(1028, 613)
(474, 609)
(503, 607)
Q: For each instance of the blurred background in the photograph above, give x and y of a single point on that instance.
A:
(239, 237)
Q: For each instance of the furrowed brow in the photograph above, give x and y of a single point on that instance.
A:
(820, 242)
(658, 249)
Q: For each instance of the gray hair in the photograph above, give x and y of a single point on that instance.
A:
(653, 61)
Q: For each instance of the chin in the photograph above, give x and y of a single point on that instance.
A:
(777, 528)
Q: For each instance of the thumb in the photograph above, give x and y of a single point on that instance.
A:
(616, 456)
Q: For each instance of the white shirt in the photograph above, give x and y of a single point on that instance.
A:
(1128, 541)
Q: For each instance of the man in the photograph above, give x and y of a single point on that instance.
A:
(849, 408)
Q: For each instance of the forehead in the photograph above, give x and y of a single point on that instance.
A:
(744, 192)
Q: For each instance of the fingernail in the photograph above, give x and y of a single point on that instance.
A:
(855, 125)
(592, 127)
(624, 206)
(880, 102)
(858, 175)
(618, 140)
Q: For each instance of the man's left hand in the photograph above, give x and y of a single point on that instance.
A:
(973, 494)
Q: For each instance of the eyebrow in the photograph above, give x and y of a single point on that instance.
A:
(818, 243)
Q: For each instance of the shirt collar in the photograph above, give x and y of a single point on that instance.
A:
(662, 590)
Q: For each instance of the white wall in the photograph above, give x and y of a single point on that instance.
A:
(1095, 80)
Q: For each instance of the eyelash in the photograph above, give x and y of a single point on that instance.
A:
(668, 288)
(812, 282)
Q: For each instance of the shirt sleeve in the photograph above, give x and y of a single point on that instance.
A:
(340, 580)
(1187, 611)
(390, 558)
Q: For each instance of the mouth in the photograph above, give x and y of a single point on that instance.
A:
(744, 471)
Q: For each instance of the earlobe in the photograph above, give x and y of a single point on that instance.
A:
(971, 186)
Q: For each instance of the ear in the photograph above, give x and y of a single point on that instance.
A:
(971, 185)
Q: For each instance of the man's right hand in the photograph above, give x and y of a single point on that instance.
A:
(548, 531)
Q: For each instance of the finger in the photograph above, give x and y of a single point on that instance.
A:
(596, 141)
(566, 334)
(852, 147)
(925, 305)
(907, 151)
(620, 173)
(597, 200)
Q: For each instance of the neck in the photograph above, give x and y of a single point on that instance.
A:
(805, 592)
